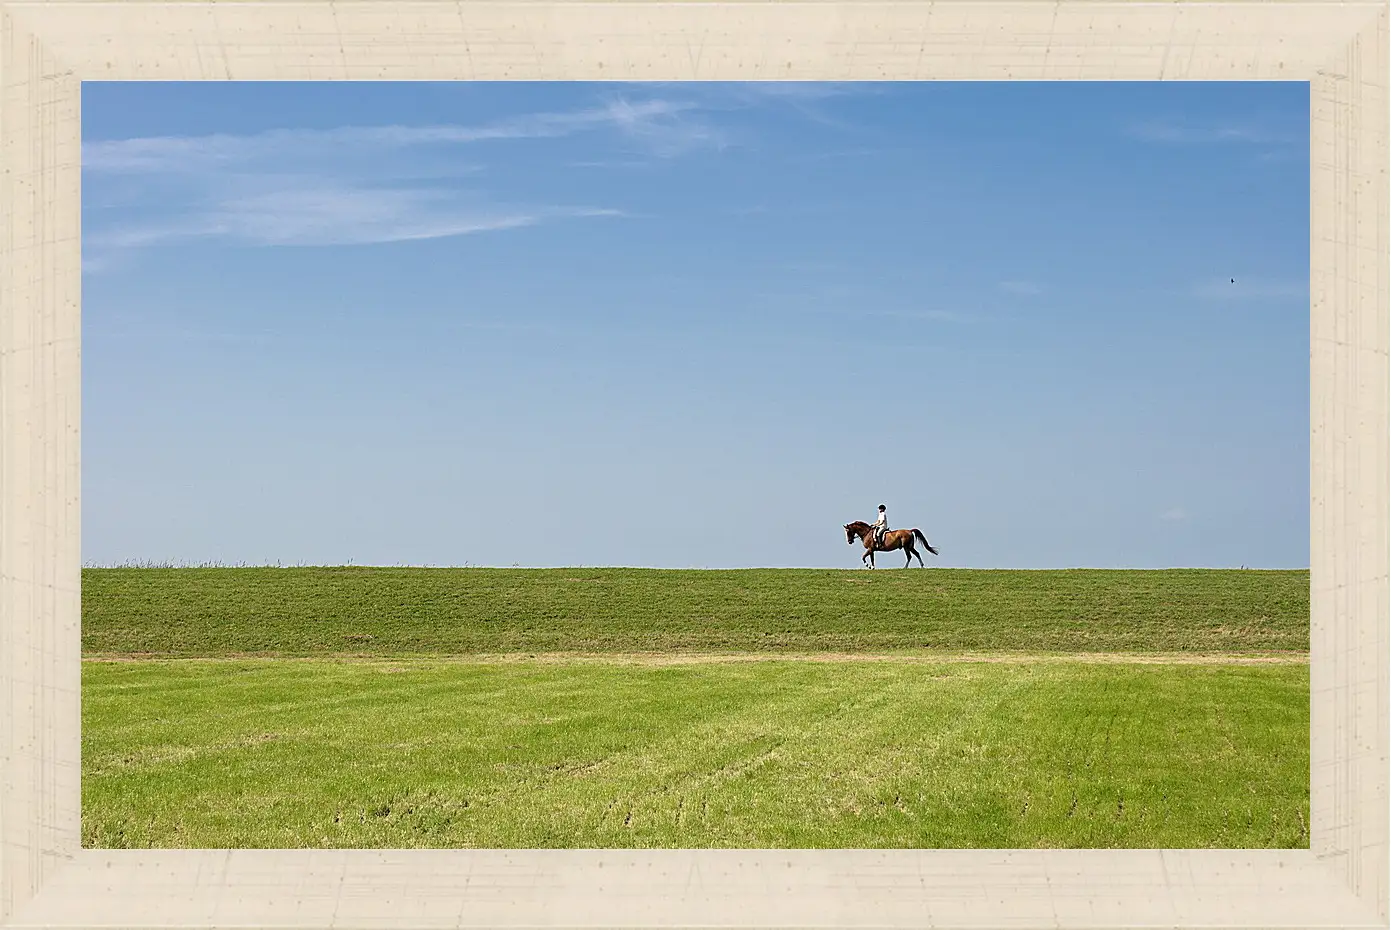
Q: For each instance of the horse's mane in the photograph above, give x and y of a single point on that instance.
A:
(859, 523)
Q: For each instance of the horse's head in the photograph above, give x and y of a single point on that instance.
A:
(850, 533)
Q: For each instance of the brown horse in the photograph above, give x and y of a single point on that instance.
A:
(893, 539)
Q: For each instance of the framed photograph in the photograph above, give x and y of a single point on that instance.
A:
(718, 464)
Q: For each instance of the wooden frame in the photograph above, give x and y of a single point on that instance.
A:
(48, 47)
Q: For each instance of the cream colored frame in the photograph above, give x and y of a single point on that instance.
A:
(47, 48)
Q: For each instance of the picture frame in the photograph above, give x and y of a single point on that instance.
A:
(49, 47)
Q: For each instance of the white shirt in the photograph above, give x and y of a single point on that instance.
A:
(883, 519)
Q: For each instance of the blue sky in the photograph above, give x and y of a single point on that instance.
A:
(695, 325)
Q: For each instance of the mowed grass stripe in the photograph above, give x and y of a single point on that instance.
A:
(772, 754)
(415, 611)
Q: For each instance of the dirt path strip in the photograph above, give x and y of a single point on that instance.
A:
(640, 658)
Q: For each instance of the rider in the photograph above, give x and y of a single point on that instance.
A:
(881, 526)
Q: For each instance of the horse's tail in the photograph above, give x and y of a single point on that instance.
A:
(919, 533)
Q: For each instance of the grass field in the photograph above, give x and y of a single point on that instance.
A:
(384, 611)
(614, 708)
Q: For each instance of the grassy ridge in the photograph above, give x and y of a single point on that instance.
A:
(188, 612)
(430, 753)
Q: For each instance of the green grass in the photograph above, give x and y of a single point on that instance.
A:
(774, 753)
(383, 611)
(370, 707)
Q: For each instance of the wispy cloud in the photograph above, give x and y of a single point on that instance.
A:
(315, 212)
(333, 216)
(1174, 515)
(807, 90)
(806, 97)
(726, 94)
(658, 120)
(376, 184)
(672, 130)
(809, 99)
(329, 187)
(1181, 132)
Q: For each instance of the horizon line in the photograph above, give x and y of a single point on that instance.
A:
(136, 564)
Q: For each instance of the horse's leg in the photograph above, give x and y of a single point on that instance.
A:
(919, 557)
(908, 553)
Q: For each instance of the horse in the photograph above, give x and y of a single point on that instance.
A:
(893, 539)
